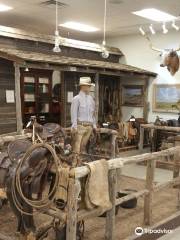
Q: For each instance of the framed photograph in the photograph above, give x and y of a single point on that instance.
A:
(166, 98)
(133, 95)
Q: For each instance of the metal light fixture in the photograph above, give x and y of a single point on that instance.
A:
(142, 31)
(56, 48)
(152, 29)
(26, 69)
(105, 53)
(165, 30)
(175, 26)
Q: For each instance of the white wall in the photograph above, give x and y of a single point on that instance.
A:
(138, 53)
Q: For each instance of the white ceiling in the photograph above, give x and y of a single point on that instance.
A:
(32, 16)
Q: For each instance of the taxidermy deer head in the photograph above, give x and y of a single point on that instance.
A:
(170, 58)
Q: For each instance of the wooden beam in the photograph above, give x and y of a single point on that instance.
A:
(120, 162)
(110, 215)
(71, 225)
(146, 104)
(176, 168)
(12, 58)
(166, 128)
(88, 214)
(18, 98)
(149, 186)
(131, 196)
(66, 42)
(85, 69)
(97, 96)
(141, 139)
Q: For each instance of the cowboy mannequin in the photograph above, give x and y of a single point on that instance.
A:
(82, 116)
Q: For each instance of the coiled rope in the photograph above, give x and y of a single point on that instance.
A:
(38, 205)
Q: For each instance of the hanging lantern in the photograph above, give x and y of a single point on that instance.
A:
(56, 48)
(104, 51)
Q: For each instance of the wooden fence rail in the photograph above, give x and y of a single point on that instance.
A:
(115, 165)
(73, 215)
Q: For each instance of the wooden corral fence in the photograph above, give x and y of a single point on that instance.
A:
(153, 127)
(72, 216)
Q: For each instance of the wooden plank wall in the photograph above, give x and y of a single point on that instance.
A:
(7, 110)
(47, 48)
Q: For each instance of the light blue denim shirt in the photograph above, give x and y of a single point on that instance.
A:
(83, 109)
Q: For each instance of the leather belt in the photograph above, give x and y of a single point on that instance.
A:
(85, 124)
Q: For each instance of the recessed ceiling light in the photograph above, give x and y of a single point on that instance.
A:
(79, 27)
(4, 8)
(155, 15)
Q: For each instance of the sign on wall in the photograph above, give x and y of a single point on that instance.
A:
(10, 96)
(69, 97)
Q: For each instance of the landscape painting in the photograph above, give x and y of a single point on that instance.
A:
(167, 97)
(132, 95)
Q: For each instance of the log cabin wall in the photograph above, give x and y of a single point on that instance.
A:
(28, 45)
(7, 110)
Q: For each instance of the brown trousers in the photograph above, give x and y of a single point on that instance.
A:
(81, 138)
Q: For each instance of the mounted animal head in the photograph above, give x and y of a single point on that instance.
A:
(170, 58)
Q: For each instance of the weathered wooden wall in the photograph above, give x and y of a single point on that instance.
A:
(47, 48)
(7, 110)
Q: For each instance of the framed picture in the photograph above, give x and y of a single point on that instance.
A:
(133, 95)
(166, 98)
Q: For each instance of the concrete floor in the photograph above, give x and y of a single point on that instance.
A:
(161, 175)
(175, 235)
(139, 171)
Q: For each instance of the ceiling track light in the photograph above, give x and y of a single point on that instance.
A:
(105, 53)
(165, 30)
(142, 31)
(175, 26)
(152, 29)
(56, 48)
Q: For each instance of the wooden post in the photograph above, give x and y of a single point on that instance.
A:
(113, 155)
(113, 145)
(176, 169)
(97, 96)
(71, 224)
(149, 186)
(141, 139)
(18, 98)
(110, 216)
(146, 103)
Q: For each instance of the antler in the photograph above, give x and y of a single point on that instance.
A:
(151, 45)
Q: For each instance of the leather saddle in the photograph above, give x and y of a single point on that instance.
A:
(49, 131)
(4, 166)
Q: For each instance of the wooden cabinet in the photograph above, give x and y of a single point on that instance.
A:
(36, 95)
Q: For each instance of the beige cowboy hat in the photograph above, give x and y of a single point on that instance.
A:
(85, 81)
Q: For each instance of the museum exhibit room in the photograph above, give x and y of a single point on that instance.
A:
(89, 119)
